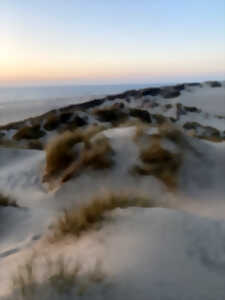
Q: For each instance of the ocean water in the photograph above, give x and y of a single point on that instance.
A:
(18, 103)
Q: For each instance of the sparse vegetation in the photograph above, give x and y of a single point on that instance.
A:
(79, 220)
(96, 154)
(29, 132)
(60, 277)
(159, 119)
(215, 139)
(157, 161)
(111, 114)
(52, 122)
(60, 152)
(7, 201)
(141, 114)
(35, 145)
(62, 156)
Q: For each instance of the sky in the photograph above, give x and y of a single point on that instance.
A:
(111, 42)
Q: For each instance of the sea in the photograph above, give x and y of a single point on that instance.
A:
(18, 103)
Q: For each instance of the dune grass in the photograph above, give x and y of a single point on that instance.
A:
(62, 157)
(60, 152)
(81, 219)
(110, 114)
(156, 160)
(97, 154)
(29, 132)
(7, 201)
(61, 277)
(51, 122)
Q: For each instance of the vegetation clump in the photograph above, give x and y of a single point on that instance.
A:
(59, 279)
(7, 201)
(158, 161)
(96, 154)
(71, 151)
(111, 114)
(60, 152)
(29, 132)
(141, 114)
(35, 145)
(52, 122)
(79, 220)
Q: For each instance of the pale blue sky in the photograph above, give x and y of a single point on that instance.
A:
(116, 41)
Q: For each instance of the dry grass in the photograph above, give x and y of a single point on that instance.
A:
(60, 153)
(7, 201)
(60, 277)
(97, 154)
(35, 145)
(214, 139)
(29, 132)
(157, 161)
(110, 114)
(7, 143)
(79, 220)
(62, 156)
(52, 122)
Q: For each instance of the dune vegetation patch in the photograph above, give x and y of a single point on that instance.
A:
(29, 132)
(51, 122)
(81, 219)
(35, 145)
(156, 160)
(73, 151)
(60, 152)
(215, 139)
(96, 154)
(142, 115)
(58, 277)
(6, 200)
(110, 114)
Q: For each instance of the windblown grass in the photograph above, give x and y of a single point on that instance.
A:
(157, 161)
(7, 201)
(62, 157)
(60, 152)
(79, 220)
(110, 114)
(97, 154)
(60, 278)
(52, 122)
(29, 132)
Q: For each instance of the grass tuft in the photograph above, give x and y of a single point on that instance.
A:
(157, 161)
(29, 132)
(60, 152)
(65, 159)
(79, 220)
(60, 278)
(7, 201)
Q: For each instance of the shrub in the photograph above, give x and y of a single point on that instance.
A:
(7, 201)
(79, 220)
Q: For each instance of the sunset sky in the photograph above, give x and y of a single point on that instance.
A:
(106, 42)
